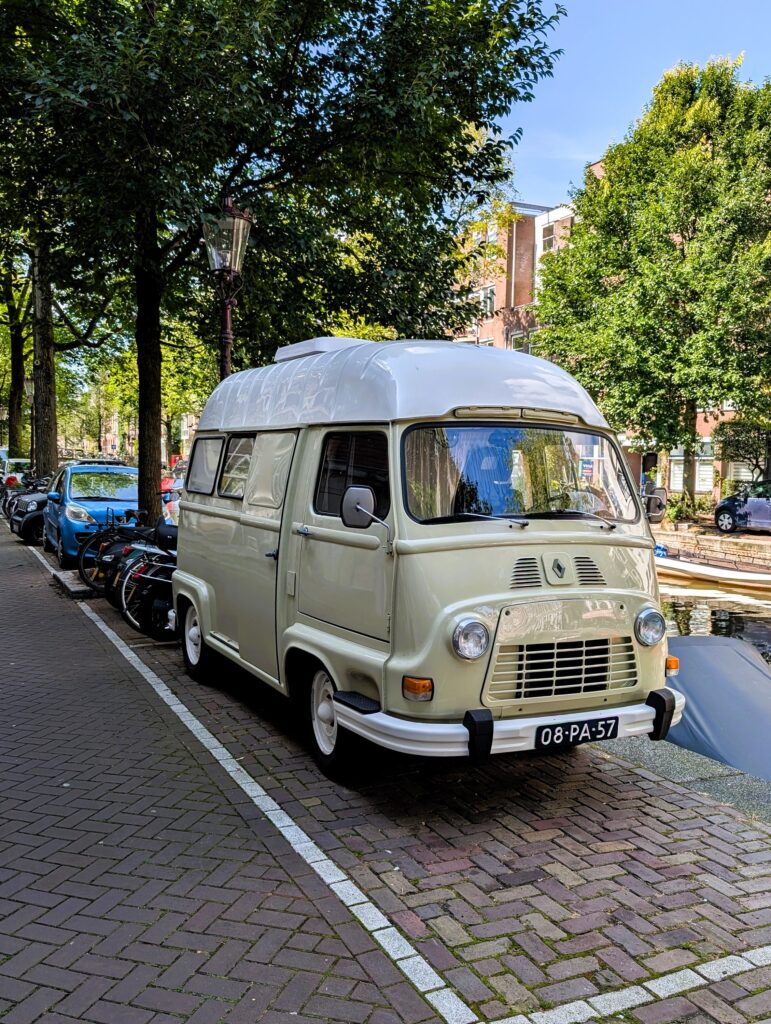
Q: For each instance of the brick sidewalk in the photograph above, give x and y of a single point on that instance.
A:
(137, 884)
(527, 883)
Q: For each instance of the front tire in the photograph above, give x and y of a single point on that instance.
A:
(64, 560)
(198, 656)
(332, 744)
(725, 521)
(32, 534)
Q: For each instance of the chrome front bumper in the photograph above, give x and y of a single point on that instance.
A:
(451, 739)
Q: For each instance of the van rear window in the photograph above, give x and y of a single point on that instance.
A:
(235, 469)
(348, 459)
(203, 465)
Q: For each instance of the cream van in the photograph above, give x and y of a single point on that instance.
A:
(431, 545)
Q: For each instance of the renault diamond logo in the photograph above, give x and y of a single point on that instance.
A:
(559, 568)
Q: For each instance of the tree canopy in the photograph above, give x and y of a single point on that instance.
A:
(661, 302)
(352, 129)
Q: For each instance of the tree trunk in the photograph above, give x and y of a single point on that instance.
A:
(16, 391)
(689, 458)
(767, 467)
(44, 373)
(168, 424)
(663, 468)
(148, 282)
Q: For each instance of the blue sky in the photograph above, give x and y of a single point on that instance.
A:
(614, 53)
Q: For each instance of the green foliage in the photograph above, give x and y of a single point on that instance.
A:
(661, 302)
(743, 440)
(681, 508)
(354, 130)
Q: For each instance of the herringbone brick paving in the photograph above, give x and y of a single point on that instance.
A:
(133, 889)
(526, 883)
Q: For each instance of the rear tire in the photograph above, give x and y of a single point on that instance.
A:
(199, 658)
(47, 545)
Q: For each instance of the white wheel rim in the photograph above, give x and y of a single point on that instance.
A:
(192, 636)
(323, 712)
(724, 521)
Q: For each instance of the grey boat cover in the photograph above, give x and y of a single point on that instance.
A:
(727, 687)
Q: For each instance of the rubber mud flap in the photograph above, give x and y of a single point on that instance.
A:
(479, 724)
(663, 704)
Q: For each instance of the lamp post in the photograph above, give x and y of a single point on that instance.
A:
(29, 391)
(225, 235)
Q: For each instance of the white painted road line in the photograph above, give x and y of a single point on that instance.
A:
(42, 558)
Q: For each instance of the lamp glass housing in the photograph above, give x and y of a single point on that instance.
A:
(225, 237)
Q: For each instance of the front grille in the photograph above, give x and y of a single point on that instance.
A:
(587, 572)
(526, 573)
(563, 667)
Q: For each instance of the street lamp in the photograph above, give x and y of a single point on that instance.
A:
(29, 391)
(225, 235)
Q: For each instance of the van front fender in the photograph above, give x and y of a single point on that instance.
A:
(352, 665)
(196, 590)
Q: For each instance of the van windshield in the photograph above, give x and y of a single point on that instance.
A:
(453, 472)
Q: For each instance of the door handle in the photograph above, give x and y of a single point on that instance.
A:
(303, 531)
(272, 554)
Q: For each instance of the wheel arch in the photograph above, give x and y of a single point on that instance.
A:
(300, 662)
(191, 590)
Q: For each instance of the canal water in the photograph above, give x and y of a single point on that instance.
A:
(693, 612)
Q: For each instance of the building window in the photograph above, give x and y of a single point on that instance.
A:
(487, 301)
(548, 237)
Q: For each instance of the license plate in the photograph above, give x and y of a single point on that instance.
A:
(570, 733)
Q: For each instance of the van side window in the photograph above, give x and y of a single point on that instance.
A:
(203, 465)
(348, 459)
(235, 468)
(271, 462)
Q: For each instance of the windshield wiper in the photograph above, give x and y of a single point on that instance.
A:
(575, 512)
(519, 520)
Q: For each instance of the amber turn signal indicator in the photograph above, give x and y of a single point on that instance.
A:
(417, 688)
(673, 665)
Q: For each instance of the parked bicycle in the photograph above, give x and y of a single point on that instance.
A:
(99, 553)
(145, 589)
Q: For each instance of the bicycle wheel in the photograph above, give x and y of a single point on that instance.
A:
(132, 588)
(90, 570)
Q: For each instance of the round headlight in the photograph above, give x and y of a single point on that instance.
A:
(650, 627)
(470, 639)
(31, 506)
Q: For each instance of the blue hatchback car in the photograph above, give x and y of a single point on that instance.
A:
(81, 500)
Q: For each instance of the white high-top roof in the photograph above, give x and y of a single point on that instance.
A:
(347, 380)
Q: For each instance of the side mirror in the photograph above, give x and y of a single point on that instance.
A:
(656, 504)
(54, 496)
(358, 507)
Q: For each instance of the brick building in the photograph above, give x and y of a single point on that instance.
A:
(508, 319)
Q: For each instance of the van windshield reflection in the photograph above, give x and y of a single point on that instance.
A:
(454, 473)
